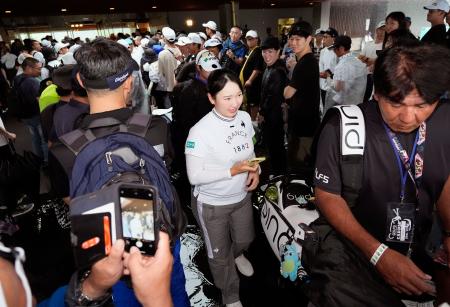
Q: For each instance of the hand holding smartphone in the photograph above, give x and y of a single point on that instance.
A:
(252, 162)
(138, 213)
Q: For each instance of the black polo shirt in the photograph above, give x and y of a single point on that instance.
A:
(381, 178)
(61, 159)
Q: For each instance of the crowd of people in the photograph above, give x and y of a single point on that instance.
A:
(226, 91)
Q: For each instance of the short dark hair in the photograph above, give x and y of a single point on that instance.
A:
(402, 37)
(219, 78)
(343, 41)
(400, 70)
(62, 92)
(301, 28)
(29, 62)
(102, 58)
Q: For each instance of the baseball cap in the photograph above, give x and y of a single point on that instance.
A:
(251, 33)
(207, 60)
(183, 41)
(213, 42)
(271, 42)
(210, 24)
(381, 24)
(203, 36)
(195, 38)
(331, 31)
(144, 42)
(301, 28)
(59, 46)
(169, 34)
(125, 42)
(46, 43)
(319, 31)
(62, 77)
(438, 5)
(342, 41)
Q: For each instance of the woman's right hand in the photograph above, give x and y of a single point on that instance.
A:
(242, 167)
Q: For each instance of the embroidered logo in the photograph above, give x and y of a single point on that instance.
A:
(190, 144)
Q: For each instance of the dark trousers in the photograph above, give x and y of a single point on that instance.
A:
(274, 138)
(369, 87)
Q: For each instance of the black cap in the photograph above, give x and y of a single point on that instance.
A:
(62, 77)
(331, 32)
(301, 28)
(342, 41)
(271, 42)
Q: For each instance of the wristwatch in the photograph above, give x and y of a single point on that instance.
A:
(84, 300)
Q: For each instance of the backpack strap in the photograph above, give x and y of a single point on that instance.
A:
(138, 124)
(352, 139)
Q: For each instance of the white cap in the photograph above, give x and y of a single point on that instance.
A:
(22, 57)
(203, 36)
(207, 60)
(68, 59)
(212, 43)
(59, 46)
(46, 43)
(144, 42)
(183, 41)
(381, 24)
(210, 24)
(251, 33)
(318, 31)
(217, 36)
(195, 38)
(438, 5)
(168, 34)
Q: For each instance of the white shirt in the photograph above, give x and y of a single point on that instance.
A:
(370, 51)
(218, 143)
(137, 53)
(353, 73)
(327, 60)
(9, 59)
(3, 139)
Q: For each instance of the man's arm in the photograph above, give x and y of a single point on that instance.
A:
(443, 207)
(338, 85)
(252, 77)
(398, 270)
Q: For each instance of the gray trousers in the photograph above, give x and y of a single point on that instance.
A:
(227, 231)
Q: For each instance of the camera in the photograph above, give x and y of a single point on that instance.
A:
(120, 211)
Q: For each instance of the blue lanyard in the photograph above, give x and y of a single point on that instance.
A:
(404, 165)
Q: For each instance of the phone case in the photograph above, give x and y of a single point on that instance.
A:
(91, 238)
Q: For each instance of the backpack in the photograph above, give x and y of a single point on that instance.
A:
(16, 104)
(123, 156)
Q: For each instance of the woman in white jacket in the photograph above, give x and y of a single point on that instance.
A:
(218, 150)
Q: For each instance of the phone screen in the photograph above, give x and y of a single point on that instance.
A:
(138, 219)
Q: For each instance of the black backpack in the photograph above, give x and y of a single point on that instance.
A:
(17, 106)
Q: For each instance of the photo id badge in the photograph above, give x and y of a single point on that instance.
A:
(400, 222)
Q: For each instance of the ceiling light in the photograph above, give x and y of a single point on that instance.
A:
(189, 22)
(311, 3)
(272, 4)
(7, 12)
(154, 7)
(72, 26)
(63, 10)
(111, 9)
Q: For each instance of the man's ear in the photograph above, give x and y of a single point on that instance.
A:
(128, 84)
(79, 80)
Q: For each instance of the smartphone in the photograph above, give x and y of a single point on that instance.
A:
(138, 213)
(256, 160)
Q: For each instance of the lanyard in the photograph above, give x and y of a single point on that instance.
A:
(404, 161)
